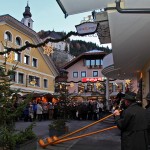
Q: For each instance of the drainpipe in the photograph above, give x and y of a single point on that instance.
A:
(131, 10)
(107, 93)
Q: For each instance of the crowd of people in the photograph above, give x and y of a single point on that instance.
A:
(38, 110)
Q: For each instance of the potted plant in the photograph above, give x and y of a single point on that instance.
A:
(58, 127)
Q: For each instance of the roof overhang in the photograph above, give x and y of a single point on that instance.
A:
(71, 7)
(130, 34)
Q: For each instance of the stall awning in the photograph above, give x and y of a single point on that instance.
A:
(35, 95)
(70, 7)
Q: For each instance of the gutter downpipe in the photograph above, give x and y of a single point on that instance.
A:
(131, 10)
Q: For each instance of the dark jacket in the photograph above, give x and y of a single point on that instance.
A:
(133, 126)
(148, 119)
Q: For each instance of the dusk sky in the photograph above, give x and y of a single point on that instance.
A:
(47, 15)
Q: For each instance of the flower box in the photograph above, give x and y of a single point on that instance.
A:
(60, 132)
(58, 127)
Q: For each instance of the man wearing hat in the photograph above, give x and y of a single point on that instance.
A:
(133, 124)
(148, 116)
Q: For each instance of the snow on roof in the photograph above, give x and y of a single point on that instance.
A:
(94, 51)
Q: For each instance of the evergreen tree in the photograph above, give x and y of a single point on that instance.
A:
(8, 112)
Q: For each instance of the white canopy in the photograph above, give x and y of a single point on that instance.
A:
(130, 34)
(70, 7)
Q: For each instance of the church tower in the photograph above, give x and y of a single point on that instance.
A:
(26, 20)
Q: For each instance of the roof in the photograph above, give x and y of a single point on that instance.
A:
(14, 22)
(94, 51)
(27, 12)
(87, 55)
(55, 35)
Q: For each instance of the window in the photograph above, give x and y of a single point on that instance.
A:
(119, 86)
(29, 24)
(87, 63)
(37, 81)
(95, 73)
(13, 77)
(31, 80)
(45, 83)
(17, 56)
(75, 74)
(101, 62)
(81, 88)
(83, 73)
(8, 36)
(93, 63)
(34, 62)
(89, 87)
(18, 41)
(26, 59)
(98, 62)
(20, 78)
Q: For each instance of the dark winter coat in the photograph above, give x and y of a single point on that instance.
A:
(133, 126)
(148, 119)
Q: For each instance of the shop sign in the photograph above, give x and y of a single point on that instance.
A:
(86, 28)
(93, 79)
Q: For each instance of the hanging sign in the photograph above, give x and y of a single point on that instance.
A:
(86, 28)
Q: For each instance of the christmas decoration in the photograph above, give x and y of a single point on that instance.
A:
(10, 57)
(48, 50)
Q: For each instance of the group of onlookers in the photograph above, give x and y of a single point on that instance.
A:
(91, 110)
(38, 110)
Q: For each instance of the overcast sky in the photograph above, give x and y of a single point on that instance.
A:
(46, 15)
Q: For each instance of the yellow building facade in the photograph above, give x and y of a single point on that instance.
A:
(35, 70)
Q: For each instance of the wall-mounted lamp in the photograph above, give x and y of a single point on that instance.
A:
(30, 80)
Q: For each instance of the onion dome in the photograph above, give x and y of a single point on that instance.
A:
(27, 12)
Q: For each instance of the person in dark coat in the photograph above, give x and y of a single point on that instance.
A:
(133, 124)
(119, 96)
(148, 117)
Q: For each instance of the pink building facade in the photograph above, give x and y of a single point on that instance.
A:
(84, 76)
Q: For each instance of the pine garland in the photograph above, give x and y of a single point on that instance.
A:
(27, 45)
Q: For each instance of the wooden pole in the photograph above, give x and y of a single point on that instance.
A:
(84, 135)
(76, 131)
(85, 127)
